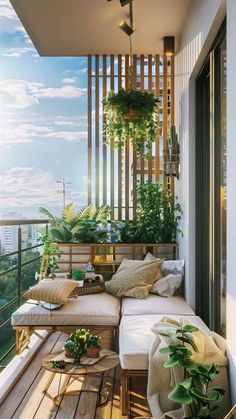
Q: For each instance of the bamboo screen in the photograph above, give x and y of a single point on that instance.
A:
(113, 173)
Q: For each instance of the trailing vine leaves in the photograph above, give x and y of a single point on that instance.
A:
(194, 389)
(131, 114)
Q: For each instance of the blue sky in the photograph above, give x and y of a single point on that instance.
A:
(43, 123)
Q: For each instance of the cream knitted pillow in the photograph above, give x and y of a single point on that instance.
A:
(134, 278)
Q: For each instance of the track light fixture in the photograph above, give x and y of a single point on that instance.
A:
(126, 28)
(169, 45)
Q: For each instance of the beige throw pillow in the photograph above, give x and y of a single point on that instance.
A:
(166, 287)
(54, 291)
(134, 278)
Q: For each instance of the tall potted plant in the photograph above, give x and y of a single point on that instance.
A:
(131, 114)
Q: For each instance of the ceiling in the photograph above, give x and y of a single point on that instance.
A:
(81, 27)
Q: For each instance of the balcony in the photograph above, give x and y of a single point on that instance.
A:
(60, 62)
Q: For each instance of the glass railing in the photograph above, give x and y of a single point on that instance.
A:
(20, 254)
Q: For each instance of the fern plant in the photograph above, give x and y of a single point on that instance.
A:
(88, 225)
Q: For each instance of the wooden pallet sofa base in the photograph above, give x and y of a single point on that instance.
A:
(23, 333)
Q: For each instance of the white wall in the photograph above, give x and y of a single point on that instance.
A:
(202, 24)
(231, 189)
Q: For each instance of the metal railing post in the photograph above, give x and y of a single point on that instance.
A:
(19, 266)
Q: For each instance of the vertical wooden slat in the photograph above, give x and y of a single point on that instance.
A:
(142, 88)
(119, 151)
(97, 160)
(165, 115)
(112, 162)
(157, 145)
(127, 86)
(104, 147)
(134, 81)
(89, 110)
(150, 90)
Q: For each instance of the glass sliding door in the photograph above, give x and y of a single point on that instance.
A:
(211, 196)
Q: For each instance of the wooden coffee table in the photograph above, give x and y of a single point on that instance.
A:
(78, 372)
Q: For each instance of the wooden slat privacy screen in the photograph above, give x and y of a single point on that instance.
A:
(112, 173)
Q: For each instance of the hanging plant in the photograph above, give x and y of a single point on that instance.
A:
(131, 114)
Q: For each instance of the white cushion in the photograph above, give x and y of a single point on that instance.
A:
(155, 304)
(136, 337)
(167, 286)
(86, 310)
(168, 266)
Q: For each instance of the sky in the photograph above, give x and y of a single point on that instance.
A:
(43, 123)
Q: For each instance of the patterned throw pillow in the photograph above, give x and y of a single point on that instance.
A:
(54, 291)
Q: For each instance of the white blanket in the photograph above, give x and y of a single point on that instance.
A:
(161, 380)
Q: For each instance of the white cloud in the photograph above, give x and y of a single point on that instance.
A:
(6, 10)
(28, 186)
(18, 52)
(33, 187)
(22, 93)
(68, 80)
(66, 92)
(68, 135)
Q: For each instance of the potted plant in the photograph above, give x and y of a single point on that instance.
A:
(70, 348)
(93, 346)
(131, 114)
(80, 337)
(88, 225)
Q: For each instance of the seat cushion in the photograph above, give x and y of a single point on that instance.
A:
(136, 337)
(155, 304)
(86, 310)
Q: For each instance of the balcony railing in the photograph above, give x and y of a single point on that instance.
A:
(20, 254)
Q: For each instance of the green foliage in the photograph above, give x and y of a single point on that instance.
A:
(88, 225)
(194, 389)
(60, 364)
(131, 114)
(52, 251)
(157, 216)
(93, 341)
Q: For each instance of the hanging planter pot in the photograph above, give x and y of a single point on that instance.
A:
(132, 115)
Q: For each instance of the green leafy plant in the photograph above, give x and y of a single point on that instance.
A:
(194, 389)
(131, 114)
(88, 225)
(80, 338)
(52, 251)
(60, 364)
(93, 341)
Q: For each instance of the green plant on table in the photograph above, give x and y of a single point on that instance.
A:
(80, 337)
(194, 389)
(88, 225)
(93, 341)
(131, 114)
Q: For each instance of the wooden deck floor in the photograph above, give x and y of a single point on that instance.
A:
(27, 401)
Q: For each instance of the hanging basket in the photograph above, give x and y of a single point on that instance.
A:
(131, 114)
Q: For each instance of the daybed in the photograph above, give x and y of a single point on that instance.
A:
(96, 311)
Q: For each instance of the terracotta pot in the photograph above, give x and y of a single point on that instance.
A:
(93, 352)
(68, 353)
(131, 115)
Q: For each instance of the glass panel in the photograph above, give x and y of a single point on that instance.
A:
(223, 193)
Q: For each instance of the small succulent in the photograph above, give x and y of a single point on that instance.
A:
(70, 345)
(93, 341)
(58, 364)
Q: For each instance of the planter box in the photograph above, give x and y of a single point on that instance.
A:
(107, 257)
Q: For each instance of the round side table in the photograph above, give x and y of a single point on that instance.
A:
(108, 361)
